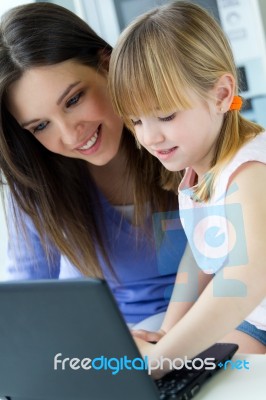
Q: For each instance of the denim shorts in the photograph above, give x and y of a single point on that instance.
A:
(252, 331)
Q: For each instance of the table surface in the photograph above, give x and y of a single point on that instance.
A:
(238, 383)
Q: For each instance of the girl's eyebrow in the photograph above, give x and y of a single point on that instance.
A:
(60, 99)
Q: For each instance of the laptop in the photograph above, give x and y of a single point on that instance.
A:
(66, 339)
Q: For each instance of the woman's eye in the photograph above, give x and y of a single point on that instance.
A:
(168, 118)
(73, 100)
(136, 122)
(40, 127)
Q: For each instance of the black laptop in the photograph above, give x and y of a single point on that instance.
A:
(67, 340)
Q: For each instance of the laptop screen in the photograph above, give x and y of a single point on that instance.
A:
(67, 340)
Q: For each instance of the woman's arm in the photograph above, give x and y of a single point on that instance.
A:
(26, 257)
(218, 311)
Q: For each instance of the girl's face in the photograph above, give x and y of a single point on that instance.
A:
(184, 138)
(67, 108)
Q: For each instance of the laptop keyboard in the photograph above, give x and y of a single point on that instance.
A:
(178, 385)
(183, 384)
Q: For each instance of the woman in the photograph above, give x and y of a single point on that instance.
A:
(82, 195)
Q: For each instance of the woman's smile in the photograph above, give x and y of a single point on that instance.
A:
(73, 116)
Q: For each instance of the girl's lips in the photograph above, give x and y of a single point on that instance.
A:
(92, 149)
(165, 154)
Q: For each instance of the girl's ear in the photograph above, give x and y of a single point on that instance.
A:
(224, 92)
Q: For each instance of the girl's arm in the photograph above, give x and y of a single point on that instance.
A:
(218, 311)
(190, 282)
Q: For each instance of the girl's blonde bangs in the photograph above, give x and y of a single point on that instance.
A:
(142, 82)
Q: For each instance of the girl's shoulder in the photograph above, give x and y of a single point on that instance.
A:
(249, 162)
(253, 150)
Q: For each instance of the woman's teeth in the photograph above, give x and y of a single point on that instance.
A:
(90, 142)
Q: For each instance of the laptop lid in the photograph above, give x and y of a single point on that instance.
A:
(67, 340)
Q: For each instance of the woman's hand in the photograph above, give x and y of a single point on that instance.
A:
(148, 336)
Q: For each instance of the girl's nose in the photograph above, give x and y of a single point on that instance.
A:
(151, 135)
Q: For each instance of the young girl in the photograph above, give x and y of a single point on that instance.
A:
(174, 70)
(82, 192)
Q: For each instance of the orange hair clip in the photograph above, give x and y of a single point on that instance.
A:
(236, 103)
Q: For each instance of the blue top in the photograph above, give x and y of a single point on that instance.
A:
(145, 264)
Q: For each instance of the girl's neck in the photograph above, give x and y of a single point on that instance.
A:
(112, 180)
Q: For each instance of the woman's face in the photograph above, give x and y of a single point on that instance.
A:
(67, 108)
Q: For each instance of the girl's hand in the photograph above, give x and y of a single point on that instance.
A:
(147, 349)
(148, 336)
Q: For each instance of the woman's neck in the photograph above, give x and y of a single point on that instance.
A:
(113, 181)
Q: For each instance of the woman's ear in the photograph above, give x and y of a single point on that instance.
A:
(104, 60)
(224, 92)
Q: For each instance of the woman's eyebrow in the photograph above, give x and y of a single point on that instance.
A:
(24, 124)
(66, 91)
(60, 99)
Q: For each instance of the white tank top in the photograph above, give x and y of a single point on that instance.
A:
(206, 224)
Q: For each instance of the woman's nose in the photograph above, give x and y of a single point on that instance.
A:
(71, 133)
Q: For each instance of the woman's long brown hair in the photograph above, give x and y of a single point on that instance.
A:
(57, 192)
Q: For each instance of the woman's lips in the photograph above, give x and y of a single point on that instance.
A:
(92, 144)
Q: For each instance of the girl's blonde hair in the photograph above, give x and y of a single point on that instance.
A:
(163, 55)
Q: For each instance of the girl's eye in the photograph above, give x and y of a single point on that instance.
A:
(136, 122)
(74, 100)
(168, 118)
(40, 127)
